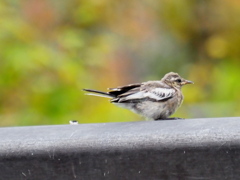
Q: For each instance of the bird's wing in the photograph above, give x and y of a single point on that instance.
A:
(118, 91)
(156, 94)
(159, 94)
(125, 88)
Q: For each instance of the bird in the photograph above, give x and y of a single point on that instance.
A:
(155, 100)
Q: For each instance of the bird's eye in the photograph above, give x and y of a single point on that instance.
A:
(178, 80)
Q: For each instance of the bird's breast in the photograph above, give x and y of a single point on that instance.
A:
(180, 98)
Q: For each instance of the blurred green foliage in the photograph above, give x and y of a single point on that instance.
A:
(52, 49)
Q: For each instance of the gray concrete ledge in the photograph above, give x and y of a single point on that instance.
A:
(189, 149)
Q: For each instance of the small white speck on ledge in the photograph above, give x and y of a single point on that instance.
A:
(73, 122)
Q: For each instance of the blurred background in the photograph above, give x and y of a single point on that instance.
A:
(52, 49)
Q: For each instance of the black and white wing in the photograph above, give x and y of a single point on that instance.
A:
(154, 94)
(160, 94)
(152, 90)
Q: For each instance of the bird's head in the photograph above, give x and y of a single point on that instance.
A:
(174, 80)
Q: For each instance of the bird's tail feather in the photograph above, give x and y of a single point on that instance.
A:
(93, 92)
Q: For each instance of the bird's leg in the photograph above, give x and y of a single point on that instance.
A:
(173, 118)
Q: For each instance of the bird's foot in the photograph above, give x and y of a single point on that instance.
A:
(173, 118)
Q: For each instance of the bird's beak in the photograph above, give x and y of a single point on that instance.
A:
(187, 82)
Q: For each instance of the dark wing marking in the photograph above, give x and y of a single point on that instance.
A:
(123, 89)
(155, 94)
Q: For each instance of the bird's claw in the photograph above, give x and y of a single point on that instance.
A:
(173, 118)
